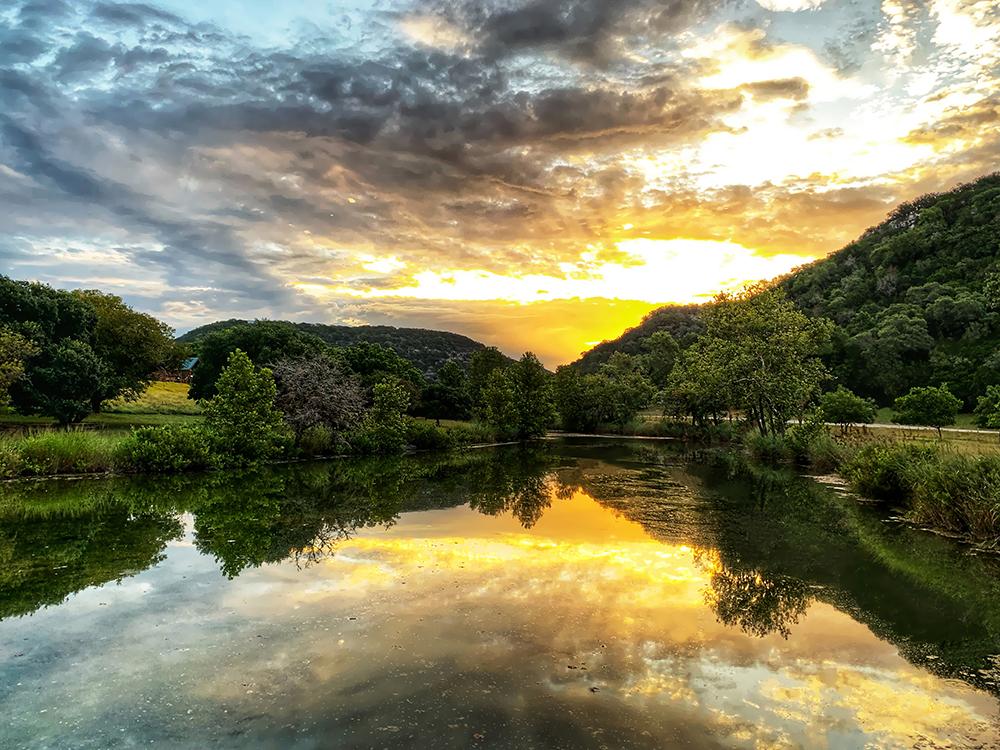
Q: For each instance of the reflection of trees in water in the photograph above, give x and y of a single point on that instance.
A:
(520, 485)
(757, 604)
(47, 555)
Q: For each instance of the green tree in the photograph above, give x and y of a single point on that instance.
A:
(761, 355)
(988, 408)
(498, 402)
(845, 408)
(533, 397)
(481, 366)
(264, 342)
(383, 428)
(242, 415)
(130, 344)
(696, 388)
(927, 406)
(660, 353)
(60, 382)
(15, 350)
(447, 395)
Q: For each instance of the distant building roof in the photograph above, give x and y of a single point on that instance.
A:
(189, 363)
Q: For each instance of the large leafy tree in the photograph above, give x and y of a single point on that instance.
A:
(988, 408)
(242, 415)
(481, 366)
(447, 395)
(843, 407)
(762, 354)
(533, 397)
(131, 345)
(263, 342)
(61, 376)
(15, 350)
(928, 406)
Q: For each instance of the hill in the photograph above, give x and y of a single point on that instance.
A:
(916, 299)
(426, 349)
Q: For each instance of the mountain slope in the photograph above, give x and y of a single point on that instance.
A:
(916, 299)
(426, 349)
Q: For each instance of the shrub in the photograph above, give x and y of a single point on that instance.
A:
(242, 415)
(317, 441)
(167, 449)
(768, 448)
(809, 444)
(424, 435)
(384, 428)
(886, 471)
(958, 493)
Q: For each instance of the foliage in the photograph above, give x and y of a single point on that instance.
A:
(758, 355)
(60, 382)
(846, 408)
(316, 392)
(988, 408)
(534, 406)
(481, 367)
(914, 296)
(426, 436)
(264, 342)
(660, 351)
(383, 429)
(130, 344)
(928, 406)
(498, 403)
(15, 350)
(615, 394)
(447, 395)
(427, 350)
(375, 363)
(167, 449)
(242, 416)
(915, 300)
(948, 490)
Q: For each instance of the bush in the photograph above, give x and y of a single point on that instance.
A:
(886, 471)
(167, 449)
(767, 448)
(425, 436)
(958, 493)
(809, 444)
(472, 434)
(384, 428)
(317, 441)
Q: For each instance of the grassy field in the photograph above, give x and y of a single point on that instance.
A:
(162, 403)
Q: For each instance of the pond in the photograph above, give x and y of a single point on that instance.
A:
(583, 593)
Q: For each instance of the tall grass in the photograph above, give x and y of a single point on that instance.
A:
(936, 486)
(47, 453)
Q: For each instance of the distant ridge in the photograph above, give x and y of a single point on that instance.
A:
(426, 349)
(916, 299)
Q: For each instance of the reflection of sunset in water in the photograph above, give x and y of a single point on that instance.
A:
(586, 603)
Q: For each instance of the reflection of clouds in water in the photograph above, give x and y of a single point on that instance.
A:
(626, 616)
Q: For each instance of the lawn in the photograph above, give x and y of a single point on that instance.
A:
(162, 403)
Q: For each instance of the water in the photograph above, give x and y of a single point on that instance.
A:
(588, 594)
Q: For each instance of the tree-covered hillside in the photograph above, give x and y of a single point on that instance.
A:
(915, 300)
(426, 349)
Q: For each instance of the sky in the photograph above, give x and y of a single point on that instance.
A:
(535, 174)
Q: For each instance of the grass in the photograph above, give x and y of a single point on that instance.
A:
(48, 453)
(161, 404)
(159, 398)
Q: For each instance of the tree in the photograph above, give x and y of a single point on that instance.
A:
(242, 415)
(928, 406)
(988, 408)
(846, 408)
(447, 396)
(15, 350)
(263, 342)
(317, 392)
(518, 401)
(383, 429)
(481, 366)
(660, 354)
(759, 354)
(60, 378)
(132, 345)
(498, 402)
(696, 388)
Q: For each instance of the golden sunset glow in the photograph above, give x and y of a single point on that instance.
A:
(499, 170)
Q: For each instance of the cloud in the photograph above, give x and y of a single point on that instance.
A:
(519, 145)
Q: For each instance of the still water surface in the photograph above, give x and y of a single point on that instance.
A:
(585, 594)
